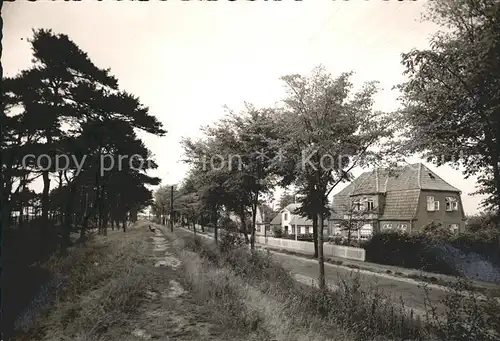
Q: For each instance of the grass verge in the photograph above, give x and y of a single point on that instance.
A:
(98, 286)
(292, 311)
(489, 290)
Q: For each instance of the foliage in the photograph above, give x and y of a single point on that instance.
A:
(451, 101)
(419, 251)
(234, 162)
(327, 129)
(286, 199)
(64, 106)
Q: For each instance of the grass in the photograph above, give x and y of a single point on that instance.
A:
(98, 287)
(98, 290)
(488, 290)
(297, 312)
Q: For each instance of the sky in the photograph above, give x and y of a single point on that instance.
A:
(185, 60)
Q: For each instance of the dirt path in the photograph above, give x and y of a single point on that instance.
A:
(171, 312)
(134, 286)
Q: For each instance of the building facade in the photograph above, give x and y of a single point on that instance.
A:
(405, 199)
(292, 223)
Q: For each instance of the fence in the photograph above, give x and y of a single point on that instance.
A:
(308, 248)
(329, 250)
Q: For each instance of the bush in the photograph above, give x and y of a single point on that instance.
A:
(230, 240)
(409, 251)
(422, 251)
(278, 232)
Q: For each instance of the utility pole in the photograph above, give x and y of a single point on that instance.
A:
(172, 208)
(296, 232)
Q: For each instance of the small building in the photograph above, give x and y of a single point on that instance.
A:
(290, 222)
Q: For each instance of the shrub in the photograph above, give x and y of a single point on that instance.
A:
(278, 232)
(409, 251)
(422, 251)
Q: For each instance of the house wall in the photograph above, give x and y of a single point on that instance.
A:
(259, 229)
(333, 229)
(285, 222)
(380, 203)
(424, 217)
(396, 225)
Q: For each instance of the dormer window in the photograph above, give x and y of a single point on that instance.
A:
(451, 204)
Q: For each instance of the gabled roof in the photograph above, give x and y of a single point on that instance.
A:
(380, 180)
(276, 220)
(401, 187)
(291, 208)
(298, 220)
(400, 205)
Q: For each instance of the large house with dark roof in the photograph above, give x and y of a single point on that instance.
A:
(405, 198)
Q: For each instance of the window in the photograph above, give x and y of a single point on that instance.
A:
(302, 230)
(403, 227)
(357, 205)
(432, 205)
(387, 226)
(310, 229)
(293, 229)
(436, 205)
(337, 230)
(369, 205)
(454, 228)
(285, 217)
(451, 204)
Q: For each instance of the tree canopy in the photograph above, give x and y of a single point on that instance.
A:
(66, 109)
(451, 102)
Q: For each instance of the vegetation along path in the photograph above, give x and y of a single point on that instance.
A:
(415, 295)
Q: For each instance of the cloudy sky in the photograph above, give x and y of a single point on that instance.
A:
(185, 60)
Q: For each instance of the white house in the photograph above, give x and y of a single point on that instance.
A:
(291, 222)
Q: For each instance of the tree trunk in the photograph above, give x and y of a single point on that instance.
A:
(214, 221)
(254, 216)
(172, 209)
(315, 235)
(105, 214)
(244, 230)
(496, 178)
(86, 218)
(45, 199)
(68, 214)
(321, 261)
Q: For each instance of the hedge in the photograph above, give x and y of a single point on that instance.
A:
(425, 252)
